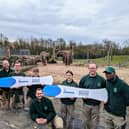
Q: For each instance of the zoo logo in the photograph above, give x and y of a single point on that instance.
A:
(115, 90)
(45, 108)
(98, 84)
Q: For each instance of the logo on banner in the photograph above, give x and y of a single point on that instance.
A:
(35, 80)
(22, 81)
(83, 93)
(68, 92)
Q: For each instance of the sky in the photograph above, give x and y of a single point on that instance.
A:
(83, 21)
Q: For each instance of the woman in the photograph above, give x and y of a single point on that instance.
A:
(67, 104)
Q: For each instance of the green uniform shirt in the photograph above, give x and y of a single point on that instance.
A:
(68, 101)
(43, 109)
(118, 97)
(89, 82)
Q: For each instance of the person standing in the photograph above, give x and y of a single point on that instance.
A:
(16, 94)
(91, 107)
(32, 88)
(4, 92)
(67, 104)
(118, 100)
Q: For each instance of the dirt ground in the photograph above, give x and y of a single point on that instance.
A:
(21, 120)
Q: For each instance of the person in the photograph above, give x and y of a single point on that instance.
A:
(67, 104)
(118, 100)
(32, 88)
(4, 92)
(91, 107)
(42, 111)
(16, 94)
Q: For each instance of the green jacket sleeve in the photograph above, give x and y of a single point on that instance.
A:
(125, 89)
(103, 83)
(33, 113)
(81, 83)
(51, 112)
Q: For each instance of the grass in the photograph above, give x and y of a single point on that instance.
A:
(116, 61)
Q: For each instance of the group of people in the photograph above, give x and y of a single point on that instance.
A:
(99, 115)
(112, 113)
(8, 94)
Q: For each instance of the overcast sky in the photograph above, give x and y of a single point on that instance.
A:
(79, 20)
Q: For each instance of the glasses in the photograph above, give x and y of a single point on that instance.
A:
(92, 68)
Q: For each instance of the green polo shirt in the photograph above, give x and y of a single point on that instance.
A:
(118, 97)
(43, 109)
(89, 82)
(68, 101)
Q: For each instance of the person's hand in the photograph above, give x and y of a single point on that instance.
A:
(41, 121)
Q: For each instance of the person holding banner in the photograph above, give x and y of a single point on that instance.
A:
(91, 107)
(16, 94)
(32, 88)
(4, 92)
(67, 104)
(118, 99)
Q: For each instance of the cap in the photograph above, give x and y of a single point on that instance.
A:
(109, 69)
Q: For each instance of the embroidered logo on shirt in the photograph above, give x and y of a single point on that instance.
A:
(45, 108)
(99, 84)
(115, 90)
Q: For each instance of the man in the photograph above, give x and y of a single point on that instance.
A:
(67, 104)
(91, 107)
(118, 99)
(4, 92)
(42, 110)
(16, 94)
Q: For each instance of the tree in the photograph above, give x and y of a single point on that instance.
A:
(108, 48)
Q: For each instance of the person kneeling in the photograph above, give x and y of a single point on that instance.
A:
(43, 112)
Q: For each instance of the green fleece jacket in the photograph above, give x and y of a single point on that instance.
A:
(43, 109)
(89, 82)
(118, 97)
(68, 101)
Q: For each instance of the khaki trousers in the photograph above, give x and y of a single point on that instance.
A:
(67, 112)
(57, 123)
(13, 104)
(112, 121)
(91, 116)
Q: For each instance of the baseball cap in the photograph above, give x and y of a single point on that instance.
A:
(109, 69)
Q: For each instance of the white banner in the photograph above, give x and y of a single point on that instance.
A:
(60, 91)
(27, 81)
